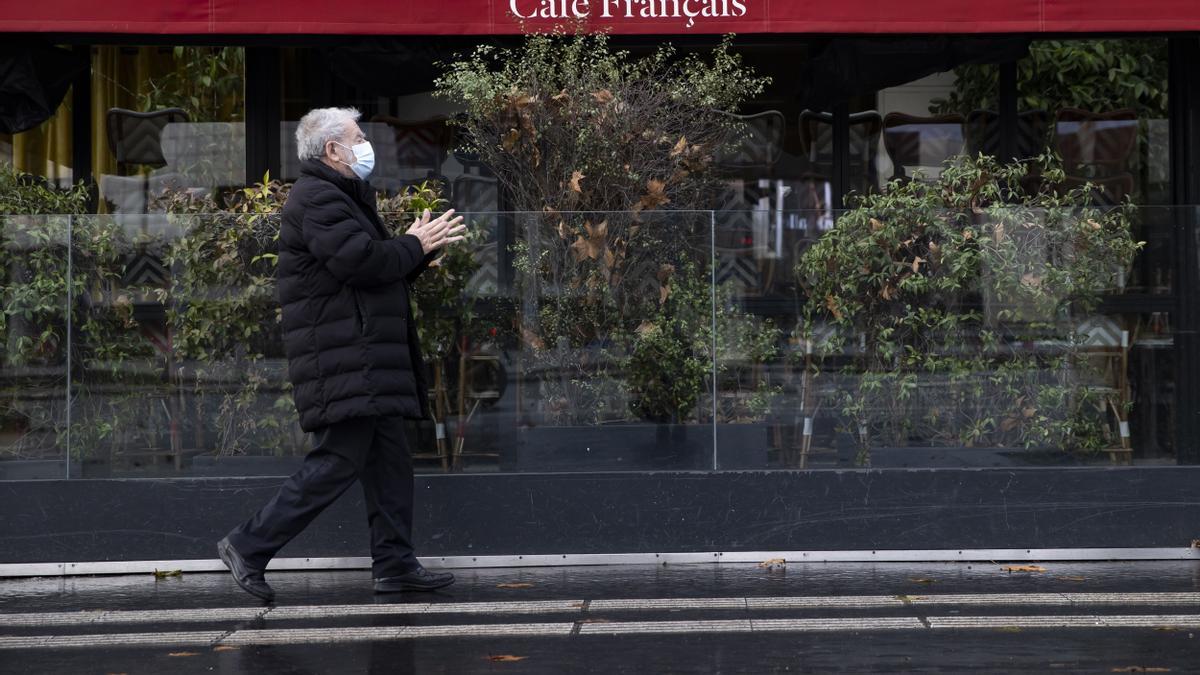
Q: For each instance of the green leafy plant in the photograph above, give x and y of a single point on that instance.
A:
(955, 305)
(61, 272)
(1098, 75)
(208, 83)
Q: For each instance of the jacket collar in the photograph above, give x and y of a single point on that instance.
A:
(318, 169)
(358, 190)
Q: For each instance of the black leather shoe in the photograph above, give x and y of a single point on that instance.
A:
(419, 579)
(250, 579)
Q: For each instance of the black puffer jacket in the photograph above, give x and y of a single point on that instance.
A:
(348, 329)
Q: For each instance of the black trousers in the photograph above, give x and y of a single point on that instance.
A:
(371, 450)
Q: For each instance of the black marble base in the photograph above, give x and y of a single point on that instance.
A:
(89, 520)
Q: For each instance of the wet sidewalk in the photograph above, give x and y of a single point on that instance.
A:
(990, 617)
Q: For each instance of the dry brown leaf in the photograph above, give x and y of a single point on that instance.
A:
(514, 585)
(1009, 424)
(831, 304)
(680, 147)
(609, 259)
(654, 197)
(561, 97)
(1031, 280)
(581, 248)
(887, 293)
(909, 598)
(562, 230)
(506, 658)
(773, 563)
(184, 654)
(509, 142)
(645, 327)
(922, 580)
(998, 234)
(163, 574)
(916, 264)
(664, 292)
(532, 339)
(876, 225)
(577, 176)
(1029, 412)
(968, 235)
(1094, 224)
(603, 97)
(224, 648)
(1196, 543)
(1024, 568)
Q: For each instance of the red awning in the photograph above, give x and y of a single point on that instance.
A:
(489, 17)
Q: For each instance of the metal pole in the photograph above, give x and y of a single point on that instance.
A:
(69, 341)
(712, 264)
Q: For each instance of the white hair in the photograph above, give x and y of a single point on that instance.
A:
(321, 125)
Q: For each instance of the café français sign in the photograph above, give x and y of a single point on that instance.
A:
(688, 11)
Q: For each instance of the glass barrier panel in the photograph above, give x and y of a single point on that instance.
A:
(35, 424)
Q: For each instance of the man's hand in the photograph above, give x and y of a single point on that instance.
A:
(439, 232)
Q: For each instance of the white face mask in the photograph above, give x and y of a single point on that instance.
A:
(364, 159)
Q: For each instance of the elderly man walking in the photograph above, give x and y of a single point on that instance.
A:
(353, 357)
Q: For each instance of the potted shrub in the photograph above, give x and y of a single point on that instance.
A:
(955, 305)
(602, 155)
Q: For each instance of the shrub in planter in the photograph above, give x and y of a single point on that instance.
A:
(955, 305)
(37, 225)
(603, 154)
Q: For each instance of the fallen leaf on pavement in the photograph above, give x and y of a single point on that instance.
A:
(224, 648)
(909, 598)
(1024, 568)
(773, 563)
(514, 585)
(184, 654)
(1167, 629)
(922, 581)
(505, 658)
(163, 574)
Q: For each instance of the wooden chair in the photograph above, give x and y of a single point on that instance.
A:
(914, 141)
(1094, 144)
(983, 133)
(816, 138)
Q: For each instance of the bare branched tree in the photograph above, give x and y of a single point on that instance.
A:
(609, 156)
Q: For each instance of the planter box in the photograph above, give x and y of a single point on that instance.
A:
(742, 446)
(958, 458)
(638, 447)
(244, 465)
(37, 469)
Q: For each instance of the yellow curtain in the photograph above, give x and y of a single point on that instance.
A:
(46, 150)
(119, 76)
